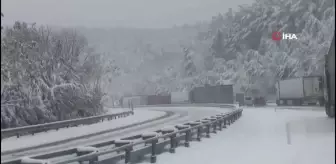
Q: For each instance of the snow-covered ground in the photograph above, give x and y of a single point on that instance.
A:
(264, 136)
(187, 113)
(66, 133)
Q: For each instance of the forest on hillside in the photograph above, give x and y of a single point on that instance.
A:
(233, 47)
(251, 59)
(49, 75)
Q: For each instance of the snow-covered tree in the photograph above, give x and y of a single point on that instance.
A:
(47, 76)
(248, 32)
(189, 67)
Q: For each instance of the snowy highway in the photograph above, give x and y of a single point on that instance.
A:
(181, 115)
(265, 135)
(296, 135)
(67, 133)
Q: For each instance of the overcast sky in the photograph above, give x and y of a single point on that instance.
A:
(112, 13)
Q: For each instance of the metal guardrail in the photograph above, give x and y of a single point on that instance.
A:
(134, 148)
(192, 105)
(21, 150)
(19, 131)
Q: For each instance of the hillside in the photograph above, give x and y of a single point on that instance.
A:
(49, 75)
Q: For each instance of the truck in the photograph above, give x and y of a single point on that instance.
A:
(329, 76)
(179, 97)
(212, 94)
(300, 90)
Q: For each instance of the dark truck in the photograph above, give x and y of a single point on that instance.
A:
(212, 94)
(329, 80)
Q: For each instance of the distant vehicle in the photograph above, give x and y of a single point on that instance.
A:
(239, 98)
(329, 90)
(248, 101)
(212, 94)
(259, 101)
(297, 91)
(179, 97)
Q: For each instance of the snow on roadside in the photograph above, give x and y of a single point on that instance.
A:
(115, 110)
(260, 136)
(66, 133)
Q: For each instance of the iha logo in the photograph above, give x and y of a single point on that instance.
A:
(286, 36)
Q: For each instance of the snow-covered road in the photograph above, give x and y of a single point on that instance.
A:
(183, 114)
(264, 136)
(66, 133)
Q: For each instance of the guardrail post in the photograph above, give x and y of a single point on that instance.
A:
(128, 154)
(187, 136)
(229, 120)
(207, 127)
(180, 127)
(153, 156)
(224, 122)
(214, 125)
(146, 136)
(193, 124)
(220, 122)
(172, 143)
(199, 133)
(208, 131)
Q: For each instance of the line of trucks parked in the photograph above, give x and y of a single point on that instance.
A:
(309, 90)
(224, 94)
(205, 94)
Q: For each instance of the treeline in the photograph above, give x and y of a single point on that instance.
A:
(47, 75)
(241, 49)
(237, 47)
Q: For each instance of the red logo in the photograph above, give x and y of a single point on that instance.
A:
(276, 36)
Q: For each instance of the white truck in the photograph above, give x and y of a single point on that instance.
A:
(179, 97)
(301, 90)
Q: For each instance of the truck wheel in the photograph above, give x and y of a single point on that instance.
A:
(297, 102)
(330, 112)
(279, 102)
(321, 102)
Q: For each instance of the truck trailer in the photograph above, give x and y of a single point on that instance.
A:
(329, 90)
(212, 94)
(300, 90)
